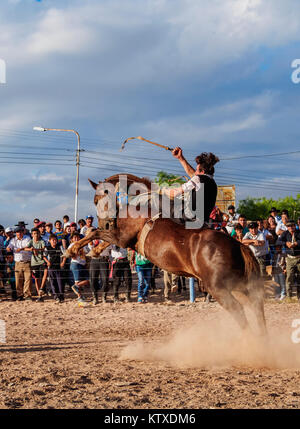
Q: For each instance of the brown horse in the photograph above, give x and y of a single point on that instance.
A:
(224, 265)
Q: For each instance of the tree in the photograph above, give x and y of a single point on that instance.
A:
(168, 179)
(255, 208)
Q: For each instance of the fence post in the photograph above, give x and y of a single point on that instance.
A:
(192, 289)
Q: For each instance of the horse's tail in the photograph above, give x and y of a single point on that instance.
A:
(252, 269)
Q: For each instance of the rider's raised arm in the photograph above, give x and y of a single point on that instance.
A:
(177, 153)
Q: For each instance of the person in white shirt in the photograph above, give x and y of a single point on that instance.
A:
(232, 219)
(233, 215)
(257, 243)
(274, 213)
(89, 224)
(22, 268)
(281, 225)
(121, 269)
(268, 237)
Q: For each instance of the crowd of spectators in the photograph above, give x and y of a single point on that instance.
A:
(275, 243)
(36, 262)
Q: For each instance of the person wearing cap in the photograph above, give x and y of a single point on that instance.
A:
(22, 224)
(274, 213)
(291, 239)
(22, 259)
(9, 233)
(73, 227)
(257, 243)
(35, 222)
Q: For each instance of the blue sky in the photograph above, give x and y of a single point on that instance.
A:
(210, 75)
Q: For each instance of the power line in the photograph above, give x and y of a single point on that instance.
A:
(260, 156)
(16, 154)
(35, 163)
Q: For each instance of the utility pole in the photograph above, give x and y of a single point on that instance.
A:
(77, 161)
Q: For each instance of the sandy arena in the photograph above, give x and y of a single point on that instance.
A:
(146, 356)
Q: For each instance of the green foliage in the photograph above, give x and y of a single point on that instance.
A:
(255, 208)
(167, 179)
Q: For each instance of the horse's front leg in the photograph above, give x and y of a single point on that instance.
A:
(73, 251)
(96, 251)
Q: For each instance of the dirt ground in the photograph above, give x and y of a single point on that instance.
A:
(154, 355)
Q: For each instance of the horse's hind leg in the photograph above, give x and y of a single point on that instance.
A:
(256, 299)
(231, 304)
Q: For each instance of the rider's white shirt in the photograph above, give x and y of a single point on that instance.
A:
(193, 183)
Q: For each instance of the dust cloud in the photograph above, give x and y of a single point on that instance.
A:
(219, 343)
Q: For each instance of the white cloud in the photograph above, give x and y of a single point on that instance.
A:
(126, 67)
(59, 31)
(214, 124)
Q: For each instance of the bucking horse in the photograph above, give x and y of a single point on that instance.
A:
(227, 268)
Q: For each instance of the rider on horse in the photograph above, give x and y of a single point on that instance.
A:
(203, 174)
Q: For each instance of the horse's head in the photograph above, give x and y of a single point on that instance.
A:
(112, 193)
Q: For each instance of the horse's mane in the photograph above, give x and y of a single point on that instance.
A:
(130, 179)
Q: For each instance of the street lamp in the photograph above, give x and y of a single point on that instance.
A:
(77, 160)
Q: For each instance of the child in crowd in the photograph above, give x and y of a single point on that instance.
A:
(239, 232)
